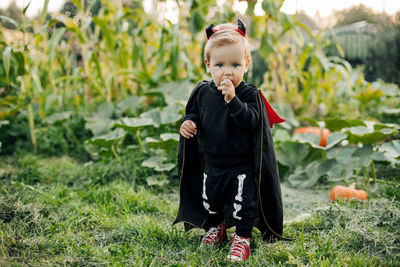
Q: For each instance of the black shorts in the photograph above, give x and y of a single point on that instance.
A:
(235, 187)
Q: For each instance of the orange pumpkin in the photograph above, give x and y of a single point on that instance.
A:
(342, 192)
(324, 133)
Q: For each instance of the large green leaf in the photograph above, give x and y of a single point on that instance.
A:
(391, 150)
(174, 92)
(108, 139)
(311, 174)
(160, 116)
(58, 117)
(314, 139)
(132, 124)
(366, 135)
(99, 126)
(132, 103)
(170, 136)
(291, 153)
(339, 124)
(156, 180)
(157, 164)
(363, 156)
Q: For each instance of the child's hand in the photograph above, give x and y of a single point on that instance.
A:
(188, 129)
(227, 89)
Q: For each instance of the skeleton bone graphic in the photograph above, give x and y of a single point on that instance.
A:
(241, 178)
(204, 186)
(237, 208)
(207, 207)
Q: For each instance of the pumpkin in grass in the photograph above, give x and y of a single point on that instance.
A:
(324, 133)
(345, 193)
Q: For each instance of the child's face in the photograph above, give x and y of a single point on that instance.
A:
(227, 62)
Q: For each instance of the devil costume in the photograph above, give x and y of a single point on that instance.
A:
(253, 148)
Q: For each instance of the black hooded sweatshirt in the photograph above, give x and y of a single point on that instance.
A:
(225, 129)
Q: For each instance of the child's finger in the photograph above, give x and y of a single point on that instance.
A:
(188, 129)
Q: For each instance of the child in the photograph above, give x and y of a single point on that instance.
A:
(226, 159)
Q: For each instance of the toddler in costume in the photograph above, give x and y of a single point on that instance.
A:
(226, 158)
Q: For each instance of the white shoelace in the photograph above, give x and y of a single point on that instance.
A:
(211, 234)
(238, 247)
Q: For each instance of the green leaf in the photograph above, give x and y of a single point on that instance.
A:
(156, 163)
(132, 103)
(160, 116)
(391, 149)
(58, 117)
(108, 139)
(55, 39)
(311, 174)
(156, 180)
(308, 138)
(170, 136)
(281, 136)
(175, 92)
(365, 135)
(314, 139)
(99, 126)
(369, 94)
(19, 56)
(334, 138)
(105, 110)
(26, 8)
(132, 124)
(291, 153)
(44, 11)
(338, 124)
(6, 60)
(9, 20)
(363, 156)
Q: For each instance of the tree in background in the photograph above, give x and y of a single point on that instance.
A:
(358, 13)
(383, 57)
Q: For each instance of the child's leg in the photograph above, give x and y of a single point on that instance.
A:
(212, 200)
(244, 202)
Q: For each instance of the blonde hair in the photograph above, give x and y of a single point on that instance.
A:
(226, 34)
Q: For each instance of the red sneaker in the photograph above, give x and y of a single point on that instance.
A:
(240, 248)
(215, 235)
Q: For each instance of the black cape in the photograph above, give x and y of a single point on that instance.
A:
(190, 171)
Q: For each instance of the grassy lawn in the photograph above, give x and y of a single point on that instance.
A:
(55, 211)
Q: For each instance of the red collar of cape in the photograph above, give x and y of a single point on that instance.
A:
(273, 117)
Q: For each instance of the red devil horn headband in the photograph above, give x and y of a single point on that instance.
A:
(241, 29)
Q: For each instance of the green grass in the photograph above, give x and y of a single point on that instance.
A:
(55, 211)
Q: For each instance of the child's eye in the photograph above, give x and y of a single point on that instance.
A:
(219, 65)
(235, 65)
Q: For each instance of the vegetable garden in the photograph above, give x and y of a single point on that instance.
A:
(90, 110)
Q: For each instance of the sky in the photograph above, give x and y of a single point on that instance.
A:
(324, 7)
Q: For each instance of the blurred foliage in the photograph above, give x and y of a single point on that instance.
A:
(380, 44)
(116, 79)
(358, 13)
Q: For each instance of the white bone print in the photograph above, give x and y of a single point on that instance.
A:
(205, 204)
(207, 207)
(204, 186)
(241, 178)
(237, 208)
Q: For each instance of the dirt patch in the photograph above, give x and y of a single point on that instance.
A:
(300, 203)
